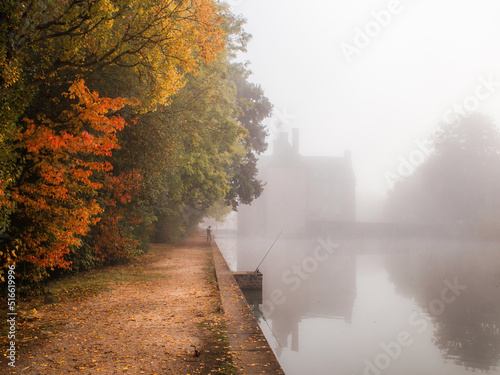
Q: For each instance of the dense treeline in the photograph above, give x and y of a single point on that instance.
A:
(121, 121)
(459, 183)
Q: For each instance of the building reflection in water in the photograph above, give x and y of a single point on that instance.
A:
(301, 283)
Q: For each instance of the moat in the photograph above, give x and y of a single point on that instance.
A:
(376, 307)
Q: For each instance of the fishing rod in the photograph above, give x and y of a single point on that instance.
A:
(268, 251)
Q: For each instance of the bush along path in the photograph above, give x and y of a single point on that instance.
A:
(161, 315)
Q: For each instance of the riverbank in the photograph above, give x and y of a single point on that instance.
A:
(145, 318)
(250, 350)
(168, 313)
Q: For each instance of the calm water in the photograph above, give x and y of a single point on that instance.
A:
(376, 307)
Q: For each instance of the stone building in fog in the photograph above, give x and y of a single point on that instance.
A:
(299, 189)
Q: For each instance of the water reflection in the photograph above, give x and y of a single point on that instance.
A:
(300, 286)
(467, 330)
(369, 307)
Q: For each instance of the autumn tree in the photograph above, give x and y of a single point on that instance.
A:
(200, 147)
(185, 149)
(159, 40)
(80, 189)
(144, 49)
(254, 107)
(116, 236)
(63, 160)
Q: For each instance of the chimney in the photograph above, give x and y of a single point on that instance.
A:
(295, 140)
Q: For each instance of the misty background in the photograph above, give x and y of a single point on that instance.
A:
(419, 64)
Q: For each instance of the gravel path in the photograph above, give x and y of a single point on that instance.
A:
(146, 326)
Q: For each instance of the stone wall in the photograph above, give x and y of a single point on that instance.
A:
(248, 280)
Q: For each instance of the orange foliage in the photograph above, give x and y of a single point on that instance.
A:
(56, 197)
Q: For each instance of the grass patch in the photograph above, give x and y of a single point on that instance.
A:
(75, 288)
(91, 283)
(210, 272)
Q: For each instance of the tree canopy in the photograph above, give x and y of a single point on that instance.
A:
(459, 181)
(120, 121)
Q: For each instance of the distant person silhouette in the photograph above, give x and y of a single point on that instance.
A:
(209, 233)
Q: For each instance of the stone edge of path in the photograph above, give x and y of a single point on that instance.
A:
(249, 348)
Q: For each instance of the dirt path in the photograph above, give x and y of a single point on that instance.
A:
(147, 322)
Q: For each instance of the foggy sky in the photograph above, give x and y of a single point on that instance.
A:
(421, 62)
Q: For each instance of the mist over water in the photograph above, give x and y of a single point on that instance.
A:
(376, 307)
(388, 198)
(415, 292)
